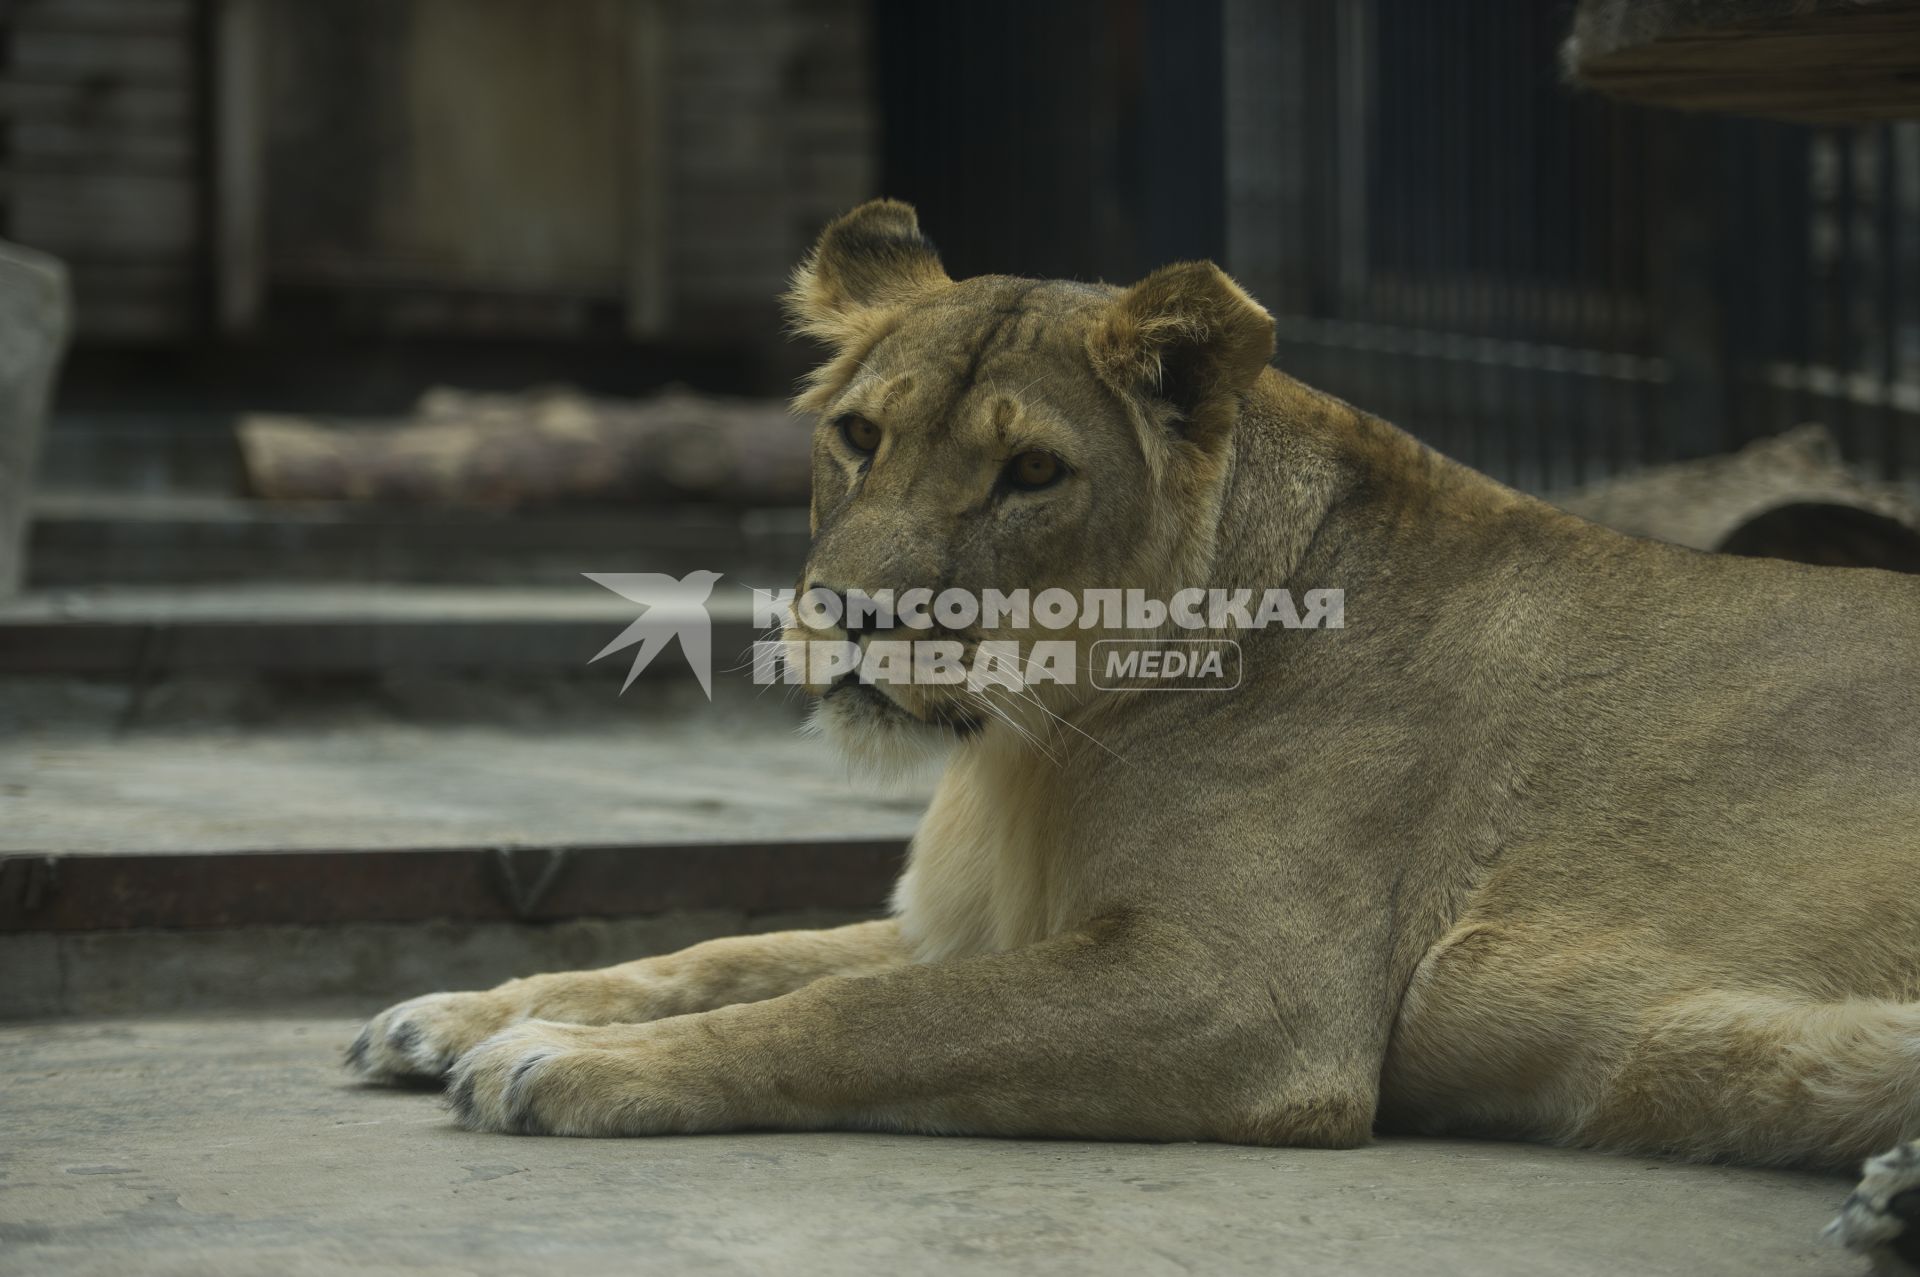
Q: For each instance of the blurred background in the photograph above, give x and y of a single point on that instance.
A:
(296, 205)
(389, 318)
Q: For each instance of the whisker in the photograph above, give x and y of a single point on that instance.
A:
(1000, 713)
(1034, 700)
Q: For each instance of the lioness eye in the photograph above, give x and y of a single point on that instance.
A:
(861, 435)
(1031, 470)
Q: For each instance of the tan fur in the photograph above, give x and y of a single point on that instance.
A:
(1565, 836)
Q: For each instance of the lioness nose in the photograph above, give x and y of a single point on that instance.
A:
(855, 624)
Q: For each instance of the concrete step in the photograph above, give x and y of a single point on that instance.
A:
(142, 633)
(358, 818)
(196, 864)
(91, 538)
(174, 891)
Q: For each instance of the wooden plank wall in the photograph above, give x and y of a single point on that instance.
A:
(772, 131)
(100, 156)
(758, 125)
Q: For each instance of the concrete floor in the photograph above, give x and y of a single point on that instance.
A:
(237, 1146)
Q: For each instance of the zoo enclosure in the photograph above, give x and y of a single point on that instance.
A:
(1545, 283)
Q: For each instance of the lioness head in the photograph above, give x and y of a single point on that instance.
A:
(1005, 434)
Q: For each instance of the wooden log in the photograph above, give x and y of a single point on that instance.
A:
(1826, 61)
(1786, 497)
(497, 451)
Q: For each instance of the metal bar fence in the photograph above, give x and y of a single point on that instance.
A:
(1550, 285)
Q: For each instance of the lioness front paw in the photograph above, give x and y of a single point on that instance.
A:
(1881, 1218)
(499, 1085)
(419, 1039)
(543, 1078)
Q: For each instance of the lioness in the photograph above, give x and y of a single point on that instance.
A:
(1565, 836)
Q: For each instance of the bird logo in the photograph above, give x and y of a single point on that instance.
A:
(674, 607)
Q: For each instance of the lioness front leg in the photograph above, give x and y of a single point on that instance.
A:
(1118, 1032)
(421, 1038)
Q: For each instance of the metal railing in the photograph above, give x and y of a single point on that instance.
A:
(1550, 285)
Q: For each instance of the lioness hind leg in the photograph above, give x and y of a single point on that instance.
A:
(1881, 1218)
(1761, 1078)
(419, 1039)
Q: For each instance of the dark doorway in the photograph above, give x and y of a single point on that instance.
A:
(1079, 139)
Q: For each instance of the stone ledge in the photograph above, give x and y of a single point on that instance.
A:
(468, 884)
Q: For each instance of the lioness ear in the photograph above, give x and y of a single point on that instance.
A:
(874, 256)
(1186, 334)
